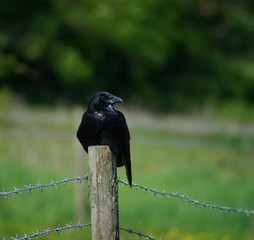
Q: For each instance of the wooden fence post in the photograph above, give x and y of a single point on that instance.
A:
(103, 193)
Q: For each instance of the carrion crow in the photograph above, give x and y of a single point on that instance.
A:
(101, 124)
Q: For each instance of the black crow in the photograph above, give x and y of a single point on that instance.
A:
(101, 124)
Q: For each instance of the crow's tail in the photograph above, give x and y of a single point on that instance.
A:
(128, 172)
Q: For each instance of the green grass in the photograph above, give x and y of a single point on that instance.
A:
(212, 166)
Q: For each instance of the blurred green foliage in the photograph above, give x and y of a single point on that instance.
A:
(174, 53)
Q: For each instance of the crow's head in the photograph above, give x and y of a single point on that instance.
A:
(102, 101)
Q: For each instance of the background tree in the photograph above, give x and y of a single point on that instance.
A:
(173, 54)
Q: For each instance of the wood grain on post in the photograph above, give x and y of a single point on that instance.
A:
(103, 193)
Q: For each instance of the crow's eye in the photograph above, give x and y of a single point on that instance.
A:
(103, 97)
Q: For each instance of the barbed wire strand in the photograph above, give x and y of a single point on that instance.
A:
(77, 226)
(188, 199)
(136, 186)
(48, 231)
(41, 186)
(140, 234)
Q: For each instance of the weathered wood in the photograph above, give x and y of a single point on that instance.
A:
(103, 193)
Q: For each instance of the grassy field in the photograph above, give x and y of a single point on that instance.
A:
(208, 158)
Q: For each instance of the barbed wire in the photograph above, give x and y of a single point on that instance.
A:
(140, 234)
(69, 227)
(188, 199)
(41, 186)
(79, 179)
(48, 231)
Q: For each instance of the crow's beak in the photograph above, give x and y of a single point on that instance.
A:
(115, 100)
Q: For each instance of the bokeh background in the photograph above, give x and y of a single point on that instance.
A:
(185, 70)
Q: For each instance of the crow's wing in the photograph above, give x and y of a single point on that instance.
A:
(116, 135)
(89, 131)
(126, 158)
